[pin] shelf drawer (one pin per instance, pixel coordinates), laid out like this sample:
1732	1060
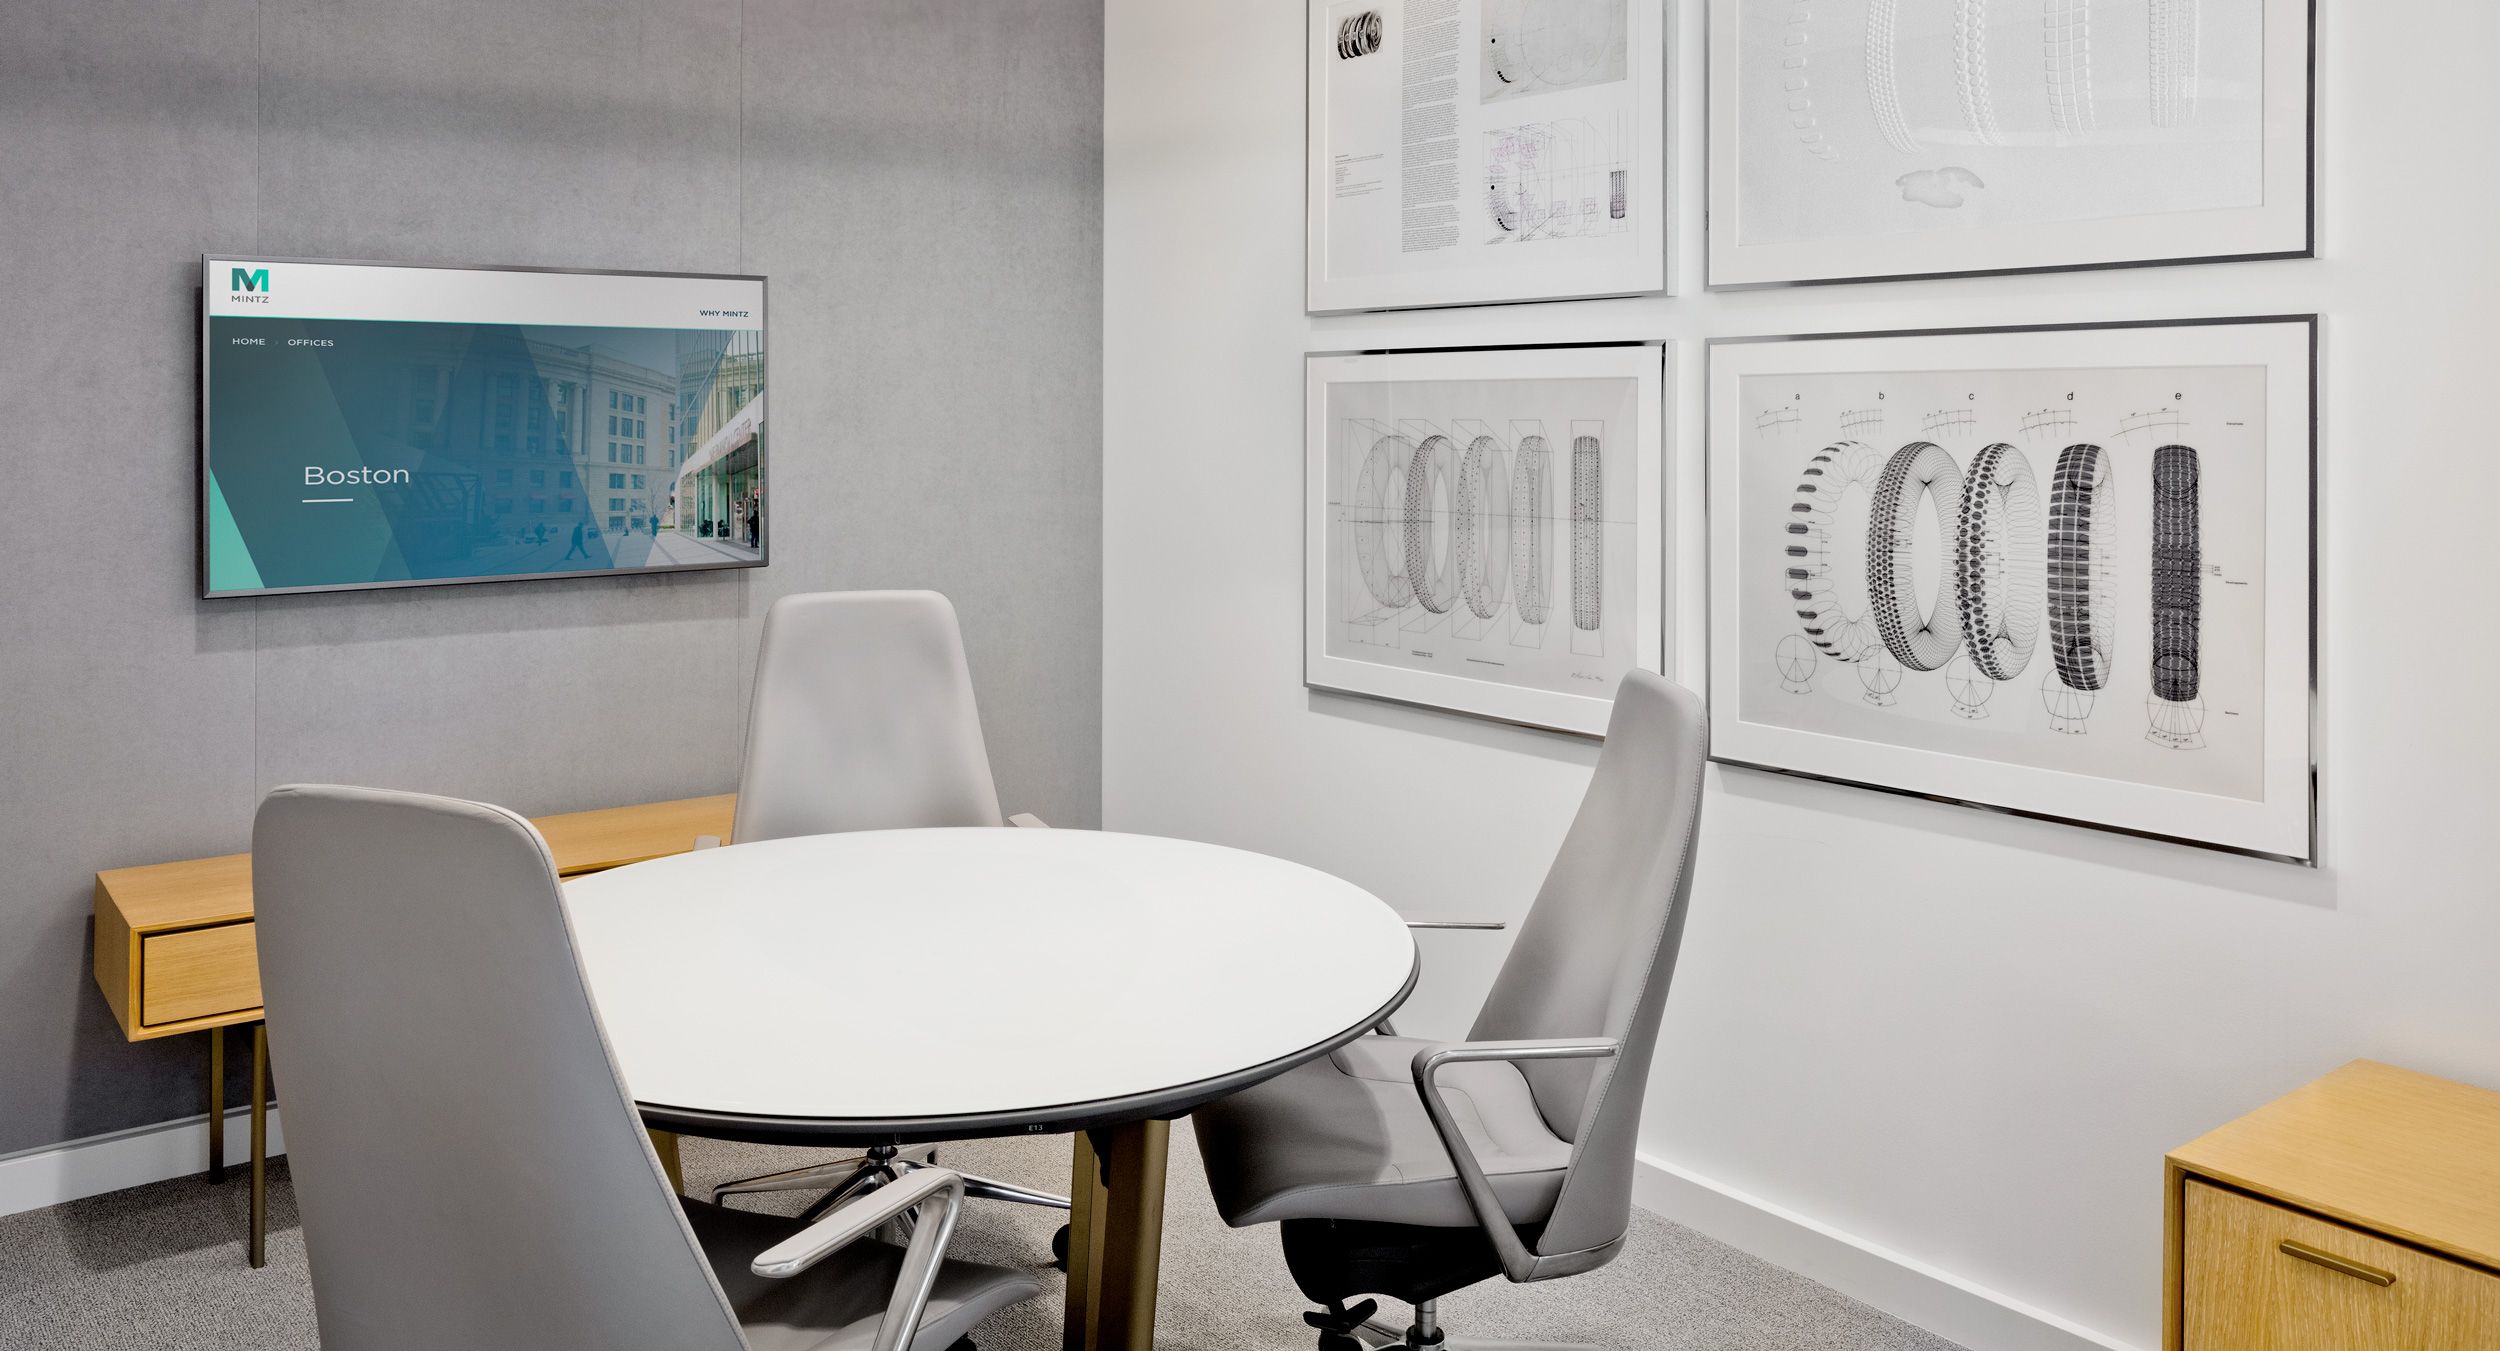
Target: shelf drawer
2259	1277
198	973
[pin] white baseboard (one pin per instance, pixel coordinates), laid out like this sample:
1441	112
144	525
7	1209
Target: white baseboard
35	1178
1953	1308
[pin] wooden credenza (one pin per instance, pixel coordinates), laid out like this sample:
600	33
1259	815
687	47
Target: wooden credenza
2360	1213
173	941
175	948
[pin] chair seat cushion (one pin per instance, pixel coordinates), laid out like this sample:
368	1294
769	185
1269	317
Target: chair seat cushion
835	1305
1346	1138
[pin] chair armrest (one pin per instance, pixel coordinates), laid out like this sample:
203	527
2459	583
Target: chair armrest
1029	821
861	1216
1518	1263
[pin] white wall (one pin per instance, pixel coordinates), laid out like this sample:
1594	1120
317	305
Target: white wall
1975	1053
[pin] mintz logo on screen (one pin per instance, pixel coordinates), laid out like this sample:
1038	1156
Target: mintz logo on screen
250	286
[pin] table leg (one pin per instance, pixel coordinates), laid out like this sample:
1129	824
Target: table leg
1115	1237
260	1144
1085	1216
216	1104
672	1161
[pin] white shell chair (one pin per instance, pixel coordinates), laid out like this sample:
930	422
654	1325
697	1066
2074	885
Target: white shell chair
1412	1168
470	1168
863	718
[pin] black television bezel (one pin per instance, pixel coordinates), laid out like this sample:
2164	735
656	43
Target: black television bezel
200	477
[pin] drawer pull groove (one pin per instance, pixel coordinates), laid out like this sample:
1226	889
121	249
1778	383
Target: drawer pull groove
2292	1247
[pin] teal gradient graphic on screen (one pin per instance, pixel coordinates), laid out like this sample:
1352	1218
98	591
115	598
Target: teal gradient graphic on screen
349	452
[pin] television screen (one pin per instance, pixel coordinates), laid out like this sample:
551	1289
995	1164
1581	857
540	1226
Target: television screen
373	425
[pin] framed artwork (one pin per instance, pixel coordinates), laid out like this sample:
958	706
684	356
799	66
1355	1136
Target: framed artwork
1485	529
1468	151
1853	140
2066	572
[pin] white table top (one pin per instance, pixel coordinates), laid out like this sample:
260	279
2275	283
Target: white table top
1014	979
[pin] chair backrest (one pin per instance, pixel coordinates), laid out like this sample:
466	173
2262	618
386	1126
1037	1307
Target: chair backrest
863	719
469	1168
1593	957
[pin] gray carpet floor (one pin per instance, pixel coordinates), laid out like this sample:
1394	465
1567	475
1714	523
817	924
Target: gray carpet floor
160	1268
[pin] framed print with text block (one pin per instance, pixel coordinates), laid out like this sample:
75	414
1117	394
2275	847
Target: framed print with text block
1471	151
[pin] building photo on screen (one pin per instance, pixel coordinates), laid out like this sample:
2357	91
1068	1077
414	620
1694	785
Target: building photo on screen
374	425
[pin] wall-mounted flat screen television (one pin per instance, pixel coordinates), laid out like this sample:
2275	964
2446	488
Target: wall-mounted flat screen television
379	425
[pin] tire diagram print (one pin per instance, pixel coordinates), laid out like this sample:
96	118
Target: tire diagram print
1970	68
1480	527
1997	556
1588	562
1359	35
1883	74
1528	479
1795	660
2172	78
1426	522
1827	587
2178	582
1919	474
1379	502
2066	53
2079	608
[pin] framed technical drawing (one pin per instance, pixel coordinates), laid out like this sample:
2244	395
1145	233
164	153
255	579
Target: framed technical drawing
1485	529
1468	151
2066	572
1859	139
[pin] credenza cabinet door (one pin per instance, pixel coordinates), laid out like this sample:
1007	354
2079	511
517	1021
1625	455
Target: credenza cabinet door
2259	1277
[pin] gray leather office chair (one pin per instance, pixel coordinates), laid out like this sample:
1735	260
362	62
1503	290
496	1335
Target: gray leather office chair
863	718
470	1168
1413	1168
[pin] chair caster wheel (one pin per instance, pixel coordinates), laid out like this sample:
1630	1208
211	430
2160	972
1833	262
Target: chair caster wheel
1059	1248
1338	1341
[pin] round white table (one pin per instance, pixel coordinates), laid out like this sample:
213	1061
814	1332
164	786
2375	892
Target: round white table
883	987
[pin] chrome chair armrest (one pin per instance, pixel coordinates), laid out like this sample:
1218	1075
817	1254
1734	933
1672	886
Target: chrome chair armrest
1029	821
1518	1262
856	1219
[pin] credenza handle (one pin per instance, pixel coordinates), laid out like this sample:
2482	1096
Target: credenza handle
2292	1247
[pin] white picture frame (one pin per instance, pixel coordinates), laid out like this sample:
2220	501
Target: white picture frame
1856	140
2126	510
1430	579
1536	170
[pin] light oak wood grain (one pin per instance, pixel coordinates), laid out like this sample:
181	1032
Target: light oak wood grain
116	960
137	907
2244	1291
2405	1154
198	973
612	837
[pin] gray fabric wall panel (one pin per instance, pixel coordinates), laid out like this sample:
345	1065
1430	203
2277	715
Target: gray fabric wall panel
125	704
579	134
932	225
556	695
922	182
